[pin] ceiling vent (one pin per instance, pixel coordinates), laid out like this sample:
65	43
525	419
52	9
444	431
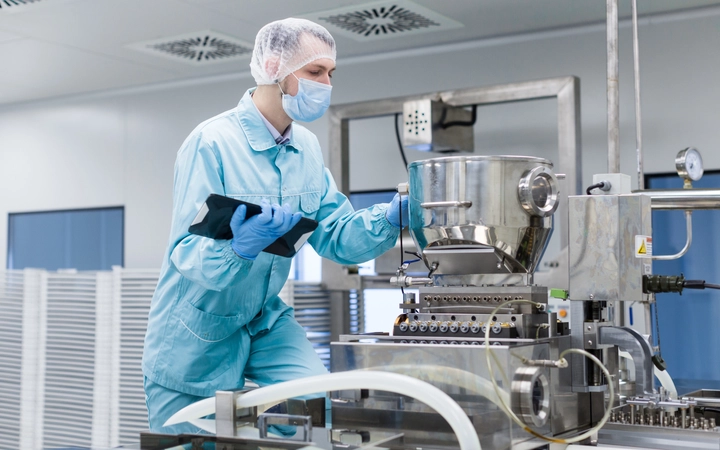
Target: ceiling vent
383	20
201	48
8	4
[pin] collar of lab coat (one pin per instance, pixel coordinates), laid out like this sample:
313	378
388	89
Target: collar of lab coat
259	137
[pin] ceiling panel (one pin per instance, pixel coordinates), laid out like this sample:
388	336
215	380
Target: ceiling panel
50	70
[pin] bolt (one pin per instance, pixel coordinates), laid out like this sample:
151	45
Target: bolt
592	296
589	327
590	343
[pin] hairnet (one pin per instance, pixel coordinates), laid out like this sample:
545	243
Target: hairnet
284	46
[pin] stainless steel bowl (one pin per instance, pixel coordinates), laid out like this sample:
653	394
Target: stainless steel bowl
482	214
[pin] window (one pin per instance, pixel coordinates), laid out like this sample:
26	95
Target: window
86	239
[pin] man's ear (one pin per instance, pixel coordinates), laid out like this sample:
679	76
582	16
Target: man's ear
272	66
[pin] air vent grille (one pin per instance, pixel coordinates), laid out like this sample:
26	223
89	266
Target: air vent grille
201	48
10	3
383	20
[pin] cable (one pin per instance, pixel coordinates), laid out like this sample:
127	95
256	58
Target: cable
594	186
657	328
399	141
402	252
460	123
699	284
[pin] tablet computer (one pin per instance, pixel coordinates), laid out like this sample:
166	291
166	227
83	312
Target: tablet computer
213	221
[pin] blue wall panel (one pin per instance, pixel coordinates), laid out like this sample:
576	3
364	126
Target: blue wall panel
689	331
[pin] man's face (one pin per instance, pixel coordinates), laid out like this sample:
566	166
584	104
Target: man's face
320	70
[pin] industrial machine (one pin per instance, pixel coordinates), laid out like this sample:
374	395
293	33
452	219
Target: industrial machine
475	359
478	330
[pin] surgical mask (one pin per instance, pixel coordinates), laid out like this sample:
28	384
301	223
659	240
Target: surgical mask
310	102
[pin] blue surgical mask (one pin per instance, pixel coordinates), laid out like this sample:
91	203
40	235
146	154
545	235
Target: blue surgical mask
310	102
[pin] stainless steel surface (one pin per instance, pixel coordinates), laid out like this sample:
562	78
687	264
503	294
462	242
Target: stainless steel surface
500	189
226	421
613	90
683	199
267	419
530	395
603	261
565	89
456	370
638	115
424	129
490	296
634	343
688	241
649	437
450	204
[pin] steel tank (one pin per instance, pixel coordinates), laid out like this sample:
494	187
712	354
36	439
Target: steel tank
482	214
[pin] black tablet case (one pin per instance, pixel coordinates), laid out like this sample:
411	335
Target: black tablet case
213	221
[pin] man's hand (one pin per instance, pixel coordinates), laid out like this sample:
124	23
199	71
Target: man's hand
393	212
251	236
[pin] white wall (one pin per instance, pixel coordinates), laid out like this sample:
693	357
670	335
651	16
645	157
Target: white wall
119	148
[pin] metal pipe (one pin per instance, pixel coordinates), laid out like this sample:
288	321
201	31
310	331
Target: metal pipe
613	93
688	242
638	116
683	199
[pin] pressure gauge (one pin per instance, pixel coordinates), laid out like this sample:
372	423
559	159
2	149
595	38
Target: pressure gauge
689	164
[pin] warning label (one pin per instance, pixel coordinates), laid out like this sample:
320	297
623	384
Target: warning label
643	246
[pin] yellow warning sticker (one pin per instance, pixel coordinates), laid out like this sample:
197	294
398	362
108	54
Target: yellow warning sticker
643	246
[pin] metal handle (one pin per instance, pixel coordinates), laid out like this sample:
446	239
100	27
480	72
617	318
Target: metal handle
449	204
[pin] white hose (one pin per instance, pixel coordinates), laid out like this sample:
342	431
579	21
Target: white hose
663	376
452	376
382	381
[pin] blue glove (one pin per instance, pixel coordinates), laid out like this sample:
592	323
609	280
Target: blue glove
251	236
393	212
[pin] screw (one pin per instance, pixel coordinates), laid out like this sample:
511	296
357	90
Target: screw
592	296
589	327
590	343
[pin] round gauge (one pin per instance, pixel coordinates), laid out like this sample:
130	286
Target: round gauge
689	164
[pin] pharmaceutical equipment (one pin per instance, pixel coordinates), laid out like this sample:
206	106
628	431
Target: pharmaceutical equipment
478	330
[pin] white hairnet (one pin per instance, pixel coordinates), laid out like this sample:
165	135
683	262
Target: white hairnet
284	46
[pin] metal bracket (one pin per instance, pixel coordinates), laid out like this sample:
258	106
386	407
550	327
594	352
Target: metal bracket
227	416
266	419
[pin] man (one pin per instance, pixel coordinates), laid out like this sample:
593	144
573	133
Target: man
216	318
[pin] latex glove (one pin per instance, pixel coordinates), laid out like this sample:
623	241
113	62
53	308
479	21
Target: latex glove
393	212
251	236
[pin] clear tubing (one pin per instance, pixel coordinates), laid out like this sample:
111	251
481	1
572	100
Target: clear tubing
357	379
511	414
688	242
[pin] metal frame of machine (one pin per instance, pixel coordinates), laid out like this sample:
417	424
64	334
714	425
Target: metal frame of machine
339	280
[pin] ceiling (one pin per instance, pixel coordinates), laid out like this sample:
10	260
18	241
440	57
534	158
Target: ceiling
56	48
